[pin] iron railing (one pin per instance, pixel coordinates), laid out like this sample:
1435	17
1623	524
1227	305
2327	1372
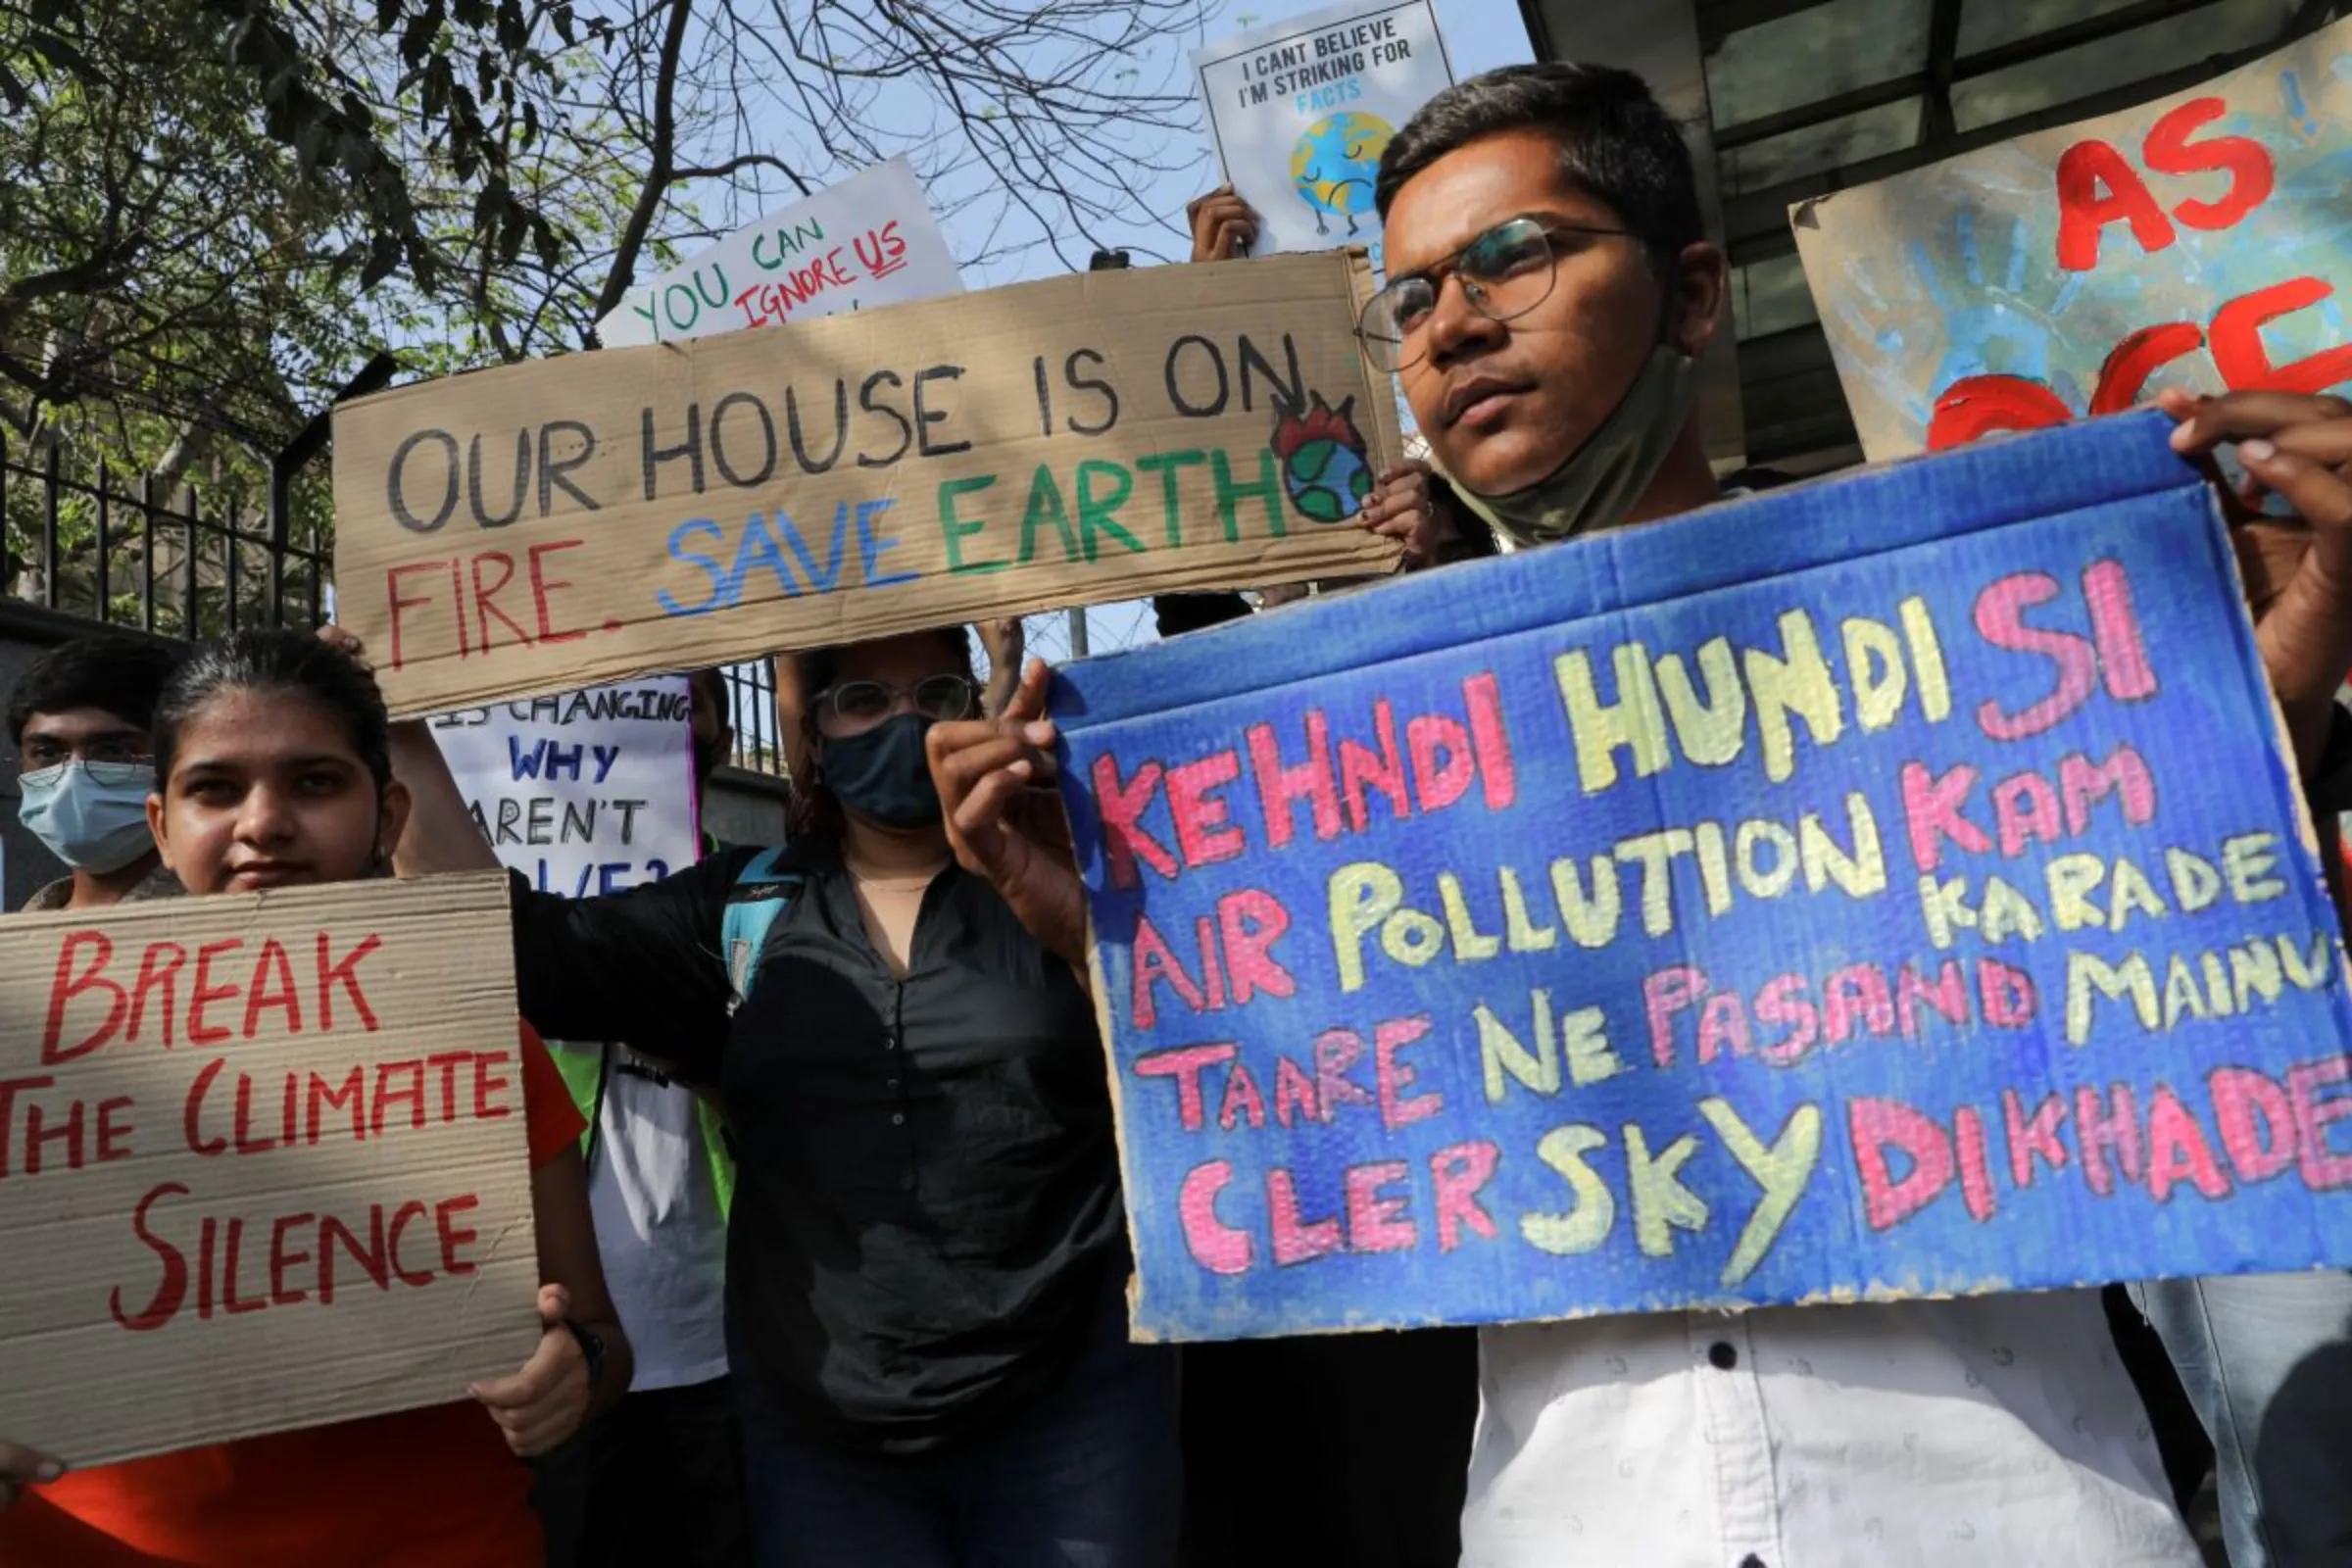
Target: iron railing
752	703
82	544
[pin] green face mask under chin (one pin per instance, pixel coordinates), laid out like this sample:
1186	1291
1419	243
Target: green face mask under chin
1603	478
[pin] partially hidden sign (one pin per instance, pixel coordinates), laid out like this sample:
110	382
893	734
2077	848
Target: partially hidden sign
867	242
1075	441
583	793
1302	110
1892	887
2197	242
263	1165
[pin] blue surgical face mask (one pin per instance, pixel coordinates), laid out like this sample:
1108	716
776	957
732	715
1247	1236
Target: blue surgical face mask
92	816
883	775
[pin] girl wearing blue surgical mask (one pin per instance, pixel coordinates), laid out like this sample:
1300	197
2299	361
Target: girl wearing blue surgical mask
926	1256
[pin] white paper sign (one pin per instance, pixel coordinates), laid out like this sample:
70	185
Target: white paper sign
868	241
1303	110
584	793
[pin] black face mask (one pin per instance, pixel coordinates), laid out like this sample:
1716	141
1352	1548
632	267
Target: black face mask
883	775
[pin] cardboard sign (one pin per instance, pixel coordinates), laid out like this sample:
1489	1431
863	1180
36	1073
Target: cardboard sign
1892	887
1301	111
1086	439
2198	241
868	241
585	793
263	1165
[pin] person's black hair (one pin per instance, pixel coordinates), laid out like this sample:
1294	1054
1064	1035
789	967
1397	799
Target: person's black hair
297	664
1617	144
118	675
816	810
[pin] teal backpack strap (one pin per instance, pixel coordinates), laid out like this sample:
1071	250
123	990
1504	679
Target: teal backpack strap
761	889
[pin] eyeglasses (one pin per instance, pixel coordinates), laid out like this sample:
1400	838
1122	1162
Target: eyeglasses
42	752
854	706
1504	273
112	773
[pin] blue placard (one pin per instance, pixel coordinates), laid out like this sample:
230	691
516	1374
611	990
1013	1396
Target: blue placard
1890	887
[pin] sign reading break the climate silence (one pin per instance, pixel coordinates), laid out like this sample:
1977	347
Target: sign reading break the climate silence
1709	916
2197	242
1074	441
263	1165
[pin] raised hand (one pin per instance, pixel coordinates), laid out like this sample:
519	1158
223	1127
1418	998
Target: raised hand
1407	506
2297	570
1004	639
1223	226
993	776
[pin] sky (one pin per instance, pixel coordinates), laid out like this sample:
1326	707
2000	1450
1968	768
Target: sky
1479	34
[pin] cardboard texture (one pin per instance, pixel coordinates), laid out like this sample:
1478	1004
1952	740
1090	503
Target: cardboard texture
1888	887
2198	241
215	1111
585	793
1301	111
867	242
1080	440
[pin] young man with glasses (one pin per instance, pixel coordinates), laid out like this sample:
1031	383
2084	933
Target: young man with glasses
78	720
1551	289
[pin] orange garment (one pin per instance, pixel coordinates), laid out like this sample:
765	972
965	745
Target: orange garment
422	1488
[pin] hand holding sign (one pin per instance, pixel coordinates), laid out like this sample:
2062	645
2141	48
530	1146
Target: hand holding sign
1224	225
544	1402
2298	579
985	771
20	1467
1403	507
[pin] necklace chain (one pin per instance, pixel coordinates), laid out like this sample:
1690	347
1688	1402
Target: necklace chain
904	884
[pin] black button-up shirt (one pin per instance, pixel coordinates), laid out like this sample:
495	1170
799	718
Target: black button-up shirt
927	1205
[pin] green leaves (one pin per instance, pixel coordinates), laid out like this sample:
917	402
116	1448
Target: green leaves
219	209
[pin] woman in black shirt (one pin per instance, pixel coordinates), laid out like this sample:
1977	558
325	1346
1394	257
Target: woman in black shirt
926	1256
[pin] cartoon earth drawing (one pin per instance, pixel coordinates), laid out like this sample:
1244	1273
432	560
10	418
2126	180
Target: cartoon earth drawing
1333	164
1324	467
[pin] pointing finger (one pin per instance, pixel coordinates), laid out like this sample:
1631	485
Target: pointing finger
1029	699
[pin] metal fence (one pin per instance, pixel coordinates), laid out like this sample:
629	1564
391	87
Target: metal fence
86	545
1108	628
752	705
